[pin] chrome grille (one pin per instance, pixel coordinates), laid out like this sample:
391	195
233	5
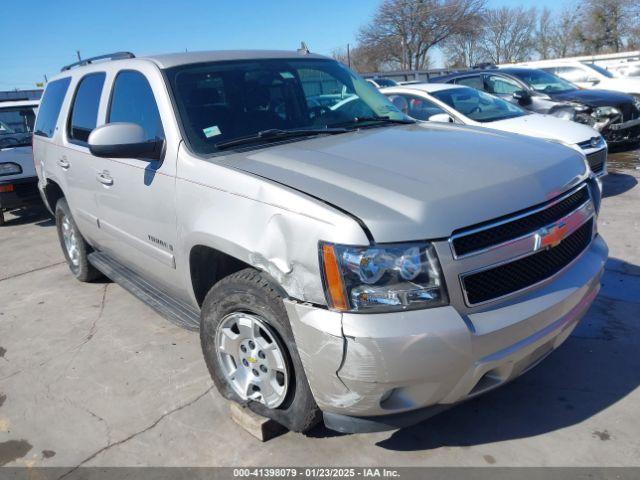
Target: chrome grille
490	234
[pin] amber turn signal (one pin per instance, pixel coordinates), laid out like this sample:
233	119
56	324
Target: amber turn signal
333	279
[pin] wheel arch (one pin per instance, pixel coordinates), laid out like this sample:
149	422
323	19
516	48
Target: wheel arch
52	192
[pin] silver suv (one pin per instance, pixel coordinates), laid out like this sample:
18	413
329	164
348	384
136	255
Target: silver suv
337	259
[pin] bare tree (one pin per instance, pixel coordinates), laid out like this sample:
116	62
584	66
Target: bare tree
508	34
544	33
607	24
403	31
463	50
566	32
362	59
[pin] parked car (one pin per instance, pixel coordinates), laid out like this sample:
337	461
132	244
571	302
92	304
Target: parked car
18	180
338	262
589	76
380	82
615	115
443	102
625	69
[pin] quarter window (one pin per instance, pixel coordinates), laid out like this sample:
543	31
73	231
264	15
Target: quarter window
132	101
50	106
84	112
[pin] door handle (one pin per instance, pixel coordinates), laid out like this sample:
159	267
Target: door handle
104	178
62	163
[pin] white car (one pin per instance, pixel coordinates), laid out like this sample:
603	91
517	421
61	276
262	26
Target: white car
443	102
18	180
589	75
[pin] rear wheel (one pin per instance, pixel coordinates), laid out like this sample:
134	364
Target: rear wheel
73	245
250	351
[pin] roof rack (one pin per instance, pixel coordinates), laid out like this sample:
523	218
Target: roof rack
108	56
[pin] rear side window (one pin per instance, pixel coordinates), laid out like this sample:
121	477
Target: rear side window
84	112
132	101
50	107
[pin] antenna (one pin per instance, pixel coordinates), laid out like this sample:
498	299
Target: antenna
303	50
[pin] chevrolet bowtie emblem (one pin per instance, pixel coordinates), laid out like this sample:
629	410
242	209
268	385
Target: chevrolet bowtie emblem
550	237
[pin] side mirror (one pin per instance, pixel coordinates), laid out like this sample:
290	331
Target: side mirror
124	140
441	117
522	96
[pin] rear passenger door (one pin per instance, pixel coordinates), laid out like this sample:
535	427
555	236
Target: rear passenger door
137	197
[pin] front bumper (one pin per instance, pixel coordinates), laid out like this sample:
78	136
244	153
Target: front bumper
383	371
623	132
21	192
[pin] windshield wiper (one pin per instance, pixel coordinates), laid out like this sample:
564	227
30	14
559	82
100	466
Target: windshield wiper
277	134
377	118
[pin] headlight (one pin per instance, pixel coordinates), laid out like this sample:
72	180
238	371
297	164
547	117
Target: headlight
9	168
382	278
564	113
636	102
602	112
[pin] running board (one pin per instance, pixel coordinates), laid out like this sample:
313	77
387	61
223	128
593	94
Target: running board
173	310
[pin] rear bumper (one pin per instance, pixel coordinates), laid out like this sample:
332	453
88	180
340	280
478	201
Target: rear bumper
23	192
386	371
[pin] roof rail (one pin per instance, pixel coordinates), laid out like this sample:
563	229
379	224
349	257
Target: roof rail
108	56
20	99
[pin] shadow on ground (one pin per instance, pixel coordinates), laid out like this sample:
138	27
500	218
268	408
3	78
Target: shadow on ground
617	183
38	215
596	367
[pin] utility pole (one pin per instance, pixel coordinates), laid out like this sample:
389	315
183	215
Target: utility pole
349	55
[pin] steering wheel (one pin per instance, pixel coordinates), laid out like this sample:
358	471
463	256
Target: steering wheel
319	111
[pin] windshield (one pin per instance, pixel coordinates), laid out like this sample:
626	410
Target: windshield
222	101
600	70
16	126
385	82
477	105
544	82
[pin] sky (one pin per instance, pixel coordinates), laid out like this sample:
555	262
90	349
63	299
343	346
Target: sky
40	36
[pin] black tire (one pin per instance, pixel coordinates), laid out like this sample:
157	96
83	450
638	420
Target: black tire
251	291
83	271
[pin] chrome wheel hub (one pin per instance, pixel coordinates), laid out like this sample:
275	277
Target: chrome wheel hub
70	241
252	359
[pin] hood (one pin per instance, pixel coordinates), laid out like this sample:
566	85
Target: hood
546	126
23	156
415	182
624	84
594	98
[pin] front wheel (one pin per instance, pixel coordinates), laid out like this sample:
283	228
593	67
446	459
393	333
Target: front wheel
250	351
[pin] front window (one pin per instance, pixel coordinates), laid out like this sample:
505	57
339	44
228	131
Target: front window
221	102
16	126
544	82
600	70
477	105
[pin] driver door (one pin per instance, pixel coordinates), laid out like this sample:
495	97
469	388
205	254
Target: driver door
136	198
